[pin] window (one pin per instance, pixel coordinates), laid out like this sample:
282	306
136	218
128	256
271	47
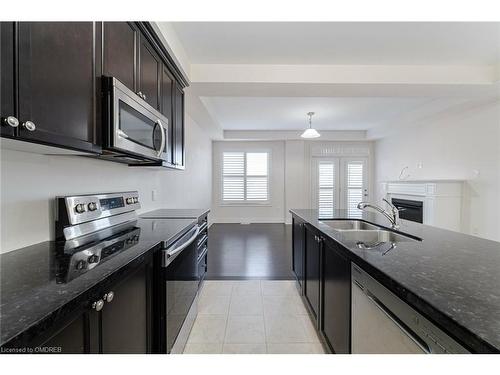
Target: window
245	177
326	191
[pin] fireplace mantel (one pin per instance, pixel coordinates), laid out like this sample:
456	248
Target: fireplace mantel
442	199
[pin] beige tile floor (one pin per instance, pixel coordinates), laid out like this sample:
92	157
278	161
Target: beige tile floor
252	317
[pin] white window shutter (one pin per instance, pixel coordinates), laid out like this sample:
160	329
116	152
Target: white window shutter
257	176
355	178
326	185
233	183
245	177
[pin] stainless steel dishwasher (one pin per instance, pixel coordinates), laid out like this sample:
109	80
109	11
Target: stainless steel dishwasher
384	324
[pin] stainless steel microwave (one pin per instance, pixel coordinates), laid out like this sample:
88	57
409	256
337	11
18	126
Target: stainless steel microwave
134	132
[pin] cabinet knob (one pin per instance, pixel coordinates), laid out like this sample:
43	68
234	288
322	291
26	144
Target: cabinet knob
108	297
144	96
98	305
29	125
11	121
140	94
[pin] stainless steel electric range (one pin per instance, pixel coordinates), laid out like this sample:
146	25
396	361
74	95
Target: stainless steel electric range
93	228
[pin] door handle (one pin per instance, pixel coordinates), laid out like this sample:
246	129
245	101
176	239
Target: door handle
11	121
29	125
162	146
98	305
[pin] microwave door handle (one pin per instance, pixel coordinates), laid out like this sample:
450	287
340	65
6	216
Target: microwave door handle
162	147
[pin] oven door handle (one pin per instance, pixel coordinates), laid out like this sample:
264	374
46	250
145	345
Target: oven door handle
162	146
177	250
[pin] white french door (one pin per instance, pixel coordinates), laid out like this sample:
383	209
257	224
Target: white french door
339	183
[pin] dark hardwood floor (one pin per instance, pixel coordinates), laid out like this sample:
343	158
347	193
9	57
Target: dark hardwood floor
253	251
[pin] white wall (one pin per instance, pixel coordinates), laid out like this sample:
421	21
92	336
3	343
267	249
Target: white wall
290	176
452	147
271	213
29	183
296	177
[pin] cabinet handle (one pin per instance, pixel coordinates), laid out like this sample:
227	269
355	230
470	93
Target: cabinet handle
108	297
29	125
11	121
98	305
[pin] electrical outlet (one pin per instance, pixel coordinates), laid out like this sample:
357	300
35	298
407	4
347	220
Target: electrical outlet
154	195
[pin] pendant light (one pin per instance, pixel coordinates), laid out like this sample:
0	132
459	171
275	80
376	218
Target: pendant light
310	132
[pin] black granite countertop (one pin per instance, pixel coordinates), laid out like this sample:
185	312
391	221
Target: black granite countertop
450	277
194	213
31	293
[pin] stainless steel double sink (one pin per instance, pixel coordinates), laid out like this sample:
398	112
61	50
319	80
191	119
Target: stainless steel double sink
366	235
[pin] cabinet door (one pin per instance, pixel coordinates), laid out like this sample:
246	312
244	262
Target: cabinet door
298	250
179	127
312	272
71	339
7	77
56	83
149	73
336	322
119	52
167	97
126	320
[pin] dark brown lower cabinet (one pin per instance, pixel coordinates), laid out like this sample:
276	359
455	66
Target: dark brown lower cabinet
122	326
312	271
298	250
336	316
126	320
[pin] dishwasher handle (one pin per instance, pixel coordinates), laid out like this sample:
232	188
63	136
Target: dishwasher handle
418	341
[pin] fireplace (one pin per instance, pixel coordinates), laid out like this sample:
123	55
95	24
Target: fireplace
410	209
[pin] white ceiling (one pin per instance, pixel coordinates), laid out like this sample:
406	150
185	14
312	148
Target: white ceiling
367	43
280	113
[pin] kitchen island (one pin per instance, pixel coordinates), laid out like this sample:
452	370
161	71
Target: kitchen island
450	278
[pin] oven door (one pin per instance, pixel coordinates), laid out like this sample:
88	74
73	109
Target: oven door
181	278
135	127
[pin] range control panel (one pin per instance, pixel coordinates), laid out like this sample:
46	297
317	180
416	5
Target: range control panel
83	208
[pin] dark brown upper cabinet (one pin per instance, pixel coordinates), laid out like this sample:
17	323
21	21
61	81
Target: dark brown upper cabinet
129	57
167	97
8	115
119	52
178	127
56	86
149	73
51	81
